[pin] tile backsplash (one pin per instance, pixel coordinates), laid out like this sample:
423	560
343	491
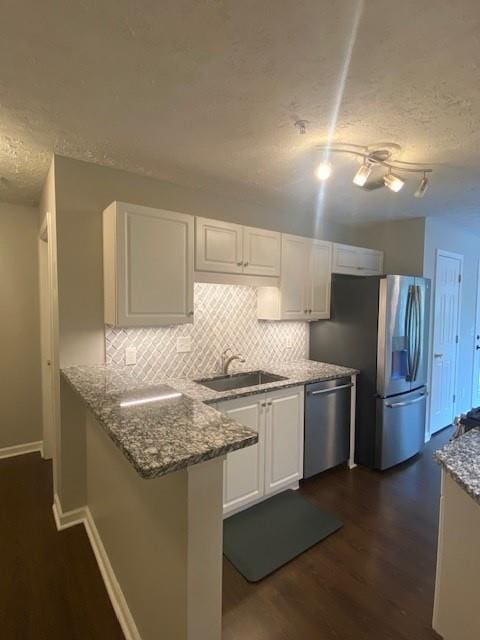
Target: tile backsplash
225	316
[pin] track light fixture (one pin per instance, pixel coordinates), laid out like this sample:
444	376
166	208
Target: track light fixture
362	175
324	171
393	182
422	187
373	157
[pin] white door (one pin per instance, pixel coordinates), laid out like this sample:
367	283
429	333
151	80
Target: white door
243	470
445	339
295	256
476	351
284	439
219	246
46	343
319	281
155	266
261	252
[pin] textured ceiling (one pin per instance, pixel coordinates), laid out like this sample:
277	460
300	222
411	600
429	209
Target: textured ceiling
205	93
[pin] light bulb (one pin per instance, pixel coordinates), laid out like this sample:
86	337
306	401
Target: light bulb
324	171
361	177
394	183
422	188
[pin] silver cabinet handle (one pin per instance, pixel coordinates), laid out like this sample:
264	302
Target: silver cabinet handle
394	405
341	386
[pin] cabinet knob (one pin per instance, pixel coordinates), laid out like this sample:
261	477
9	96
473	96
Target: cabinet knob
305	311
309	311
239	264
245	264
190	313
264	404
269	403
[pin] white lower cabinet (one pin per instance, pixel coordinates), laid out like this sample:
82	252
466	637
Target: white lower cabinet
276	462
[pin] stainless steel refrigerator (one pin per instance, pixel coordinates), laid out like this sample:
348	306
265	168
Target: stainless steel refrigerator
379	325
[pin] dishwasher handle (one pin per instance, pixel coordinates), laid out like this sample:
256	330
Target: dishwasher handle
330	389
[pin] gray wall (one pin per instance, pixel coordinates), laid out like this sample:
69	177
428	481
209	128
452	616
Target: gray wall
450	237
402	241
20	388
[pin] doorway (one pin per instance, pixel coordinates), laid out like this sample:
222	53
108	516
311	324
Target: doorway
476	350
446	322
46	340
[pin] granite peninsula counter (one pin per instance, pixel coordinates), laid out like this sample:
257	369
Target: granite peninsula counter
162	425
141	465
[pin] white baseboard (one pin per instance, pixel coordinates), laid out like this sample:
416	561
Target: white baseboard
63	520
21	449
114	590
66	519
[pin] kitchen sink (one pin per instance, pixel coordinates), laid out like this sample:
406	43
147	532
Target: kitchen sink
239	380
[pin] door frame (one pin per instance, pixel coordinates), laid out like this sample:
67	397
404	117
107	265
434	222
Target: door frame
456	256
476	332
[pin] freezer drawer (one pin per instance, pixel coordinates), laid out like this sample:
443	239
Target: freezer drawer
400	427
327	425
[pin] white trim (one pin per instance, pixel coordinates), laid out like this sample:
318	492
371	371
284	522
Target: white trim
477	315
114	590
64	520
21	449
353	413
460	258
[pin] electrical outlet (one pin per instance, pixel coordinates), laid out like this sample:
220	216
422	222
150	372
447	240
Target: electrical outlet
131	355
184	344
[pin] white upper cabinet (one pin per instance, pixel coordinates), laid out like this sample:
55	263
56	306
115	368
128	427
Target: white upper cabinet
219	246
356	260
224	247
319	281
304	291
261	252
148	266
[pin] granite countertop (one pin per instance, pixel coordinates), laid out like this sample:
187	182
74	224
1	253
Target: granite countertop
295	373
461	459
164	425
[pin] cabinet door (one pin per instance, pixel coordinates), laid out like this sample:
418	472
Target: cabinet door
295	256
261	252
356	260
243	470
371	261
154	266
219	246
283	439
319	282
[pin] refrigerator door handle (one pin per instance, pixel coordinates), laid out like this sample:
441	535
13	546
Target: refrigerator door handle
394	405
418	318
408	332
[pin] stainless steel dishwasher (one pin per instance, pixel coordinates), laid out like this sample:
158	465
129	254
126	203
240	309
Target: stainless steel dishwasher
327	425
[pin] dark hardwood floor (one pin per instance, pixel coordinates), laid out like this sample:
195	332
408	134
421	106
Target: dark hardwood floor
50	585
371	580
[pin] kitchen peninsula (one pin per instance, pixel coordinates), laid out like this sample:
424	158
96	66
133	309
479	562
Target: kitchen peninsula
152	502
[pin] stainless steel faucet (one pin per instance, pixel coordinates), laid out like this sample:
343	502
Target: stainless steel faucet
227	358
